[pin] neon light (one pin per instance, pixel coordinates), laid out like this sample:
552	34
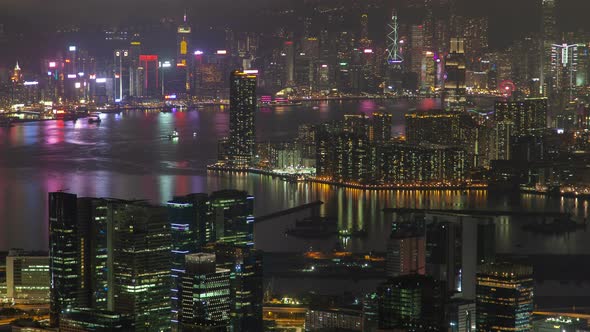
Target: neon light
101	80
368	50
81	74
72	76
221	52
251	71
52	64
198	52
72	48
30	83
77	85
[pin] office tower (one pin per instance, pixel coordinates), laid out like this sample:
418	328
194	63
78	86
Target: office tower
455	93
27	276
191	229
289	57
529	116
67	251
394	55
242	133
443	253
411	301
564	67
85	319
416	51
504	297
148	75
183	34
246	284
205	294
141	264
233	216
135	79
406	248
122	65
549	37
381	127
461	315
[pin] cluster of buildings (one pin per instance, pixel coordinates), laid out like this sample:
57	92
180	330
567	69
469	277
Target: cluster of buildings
186	266
331	51
443	274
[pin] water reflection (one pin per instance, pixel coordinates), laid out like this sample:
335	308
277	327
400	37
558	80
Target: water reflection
129	156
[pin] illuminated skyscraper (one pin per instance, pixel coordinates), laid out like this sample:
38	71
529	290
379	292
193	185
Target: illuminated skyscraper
381	127
148	75
549	37
242	104
455	93
246	284
27	276
182	52
205	294
191	229
394	54
528	116
67	250
504	297
122	71
232	214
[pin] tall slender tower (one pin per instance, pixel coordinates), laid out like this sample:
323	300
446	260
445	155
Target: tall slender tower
394	54
182	54
548	38
242	111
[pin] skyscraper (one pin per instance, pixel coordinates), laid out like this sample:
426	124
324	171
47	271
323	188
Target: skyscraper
242	133
406	249
246	284
205	294
189	218
233	216
183	34
67	250
411	301
455	67
141	264
528	116
504	297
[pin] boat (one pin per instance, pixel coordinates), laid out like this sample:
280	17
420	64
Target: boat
352	232
315	108
94	120
173	135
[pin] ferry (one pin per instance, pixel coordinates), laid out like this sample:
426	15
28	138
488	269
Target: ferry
94	119
173	135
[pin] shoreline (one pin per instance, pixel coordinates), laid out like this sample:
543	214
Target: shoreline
297	179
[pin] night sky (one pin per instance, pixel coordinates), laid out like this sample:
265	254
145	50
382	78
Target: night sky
508	18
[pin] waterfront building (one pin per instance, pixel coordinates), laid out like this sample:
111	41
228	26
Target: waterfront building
529	116
504	297
242	133
205	294
27	276
122	73
183	34
381	127
149	75
559	323
232	213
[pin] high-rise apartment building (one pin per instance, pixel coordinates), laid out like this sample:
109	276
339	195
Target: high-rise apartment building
242	133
